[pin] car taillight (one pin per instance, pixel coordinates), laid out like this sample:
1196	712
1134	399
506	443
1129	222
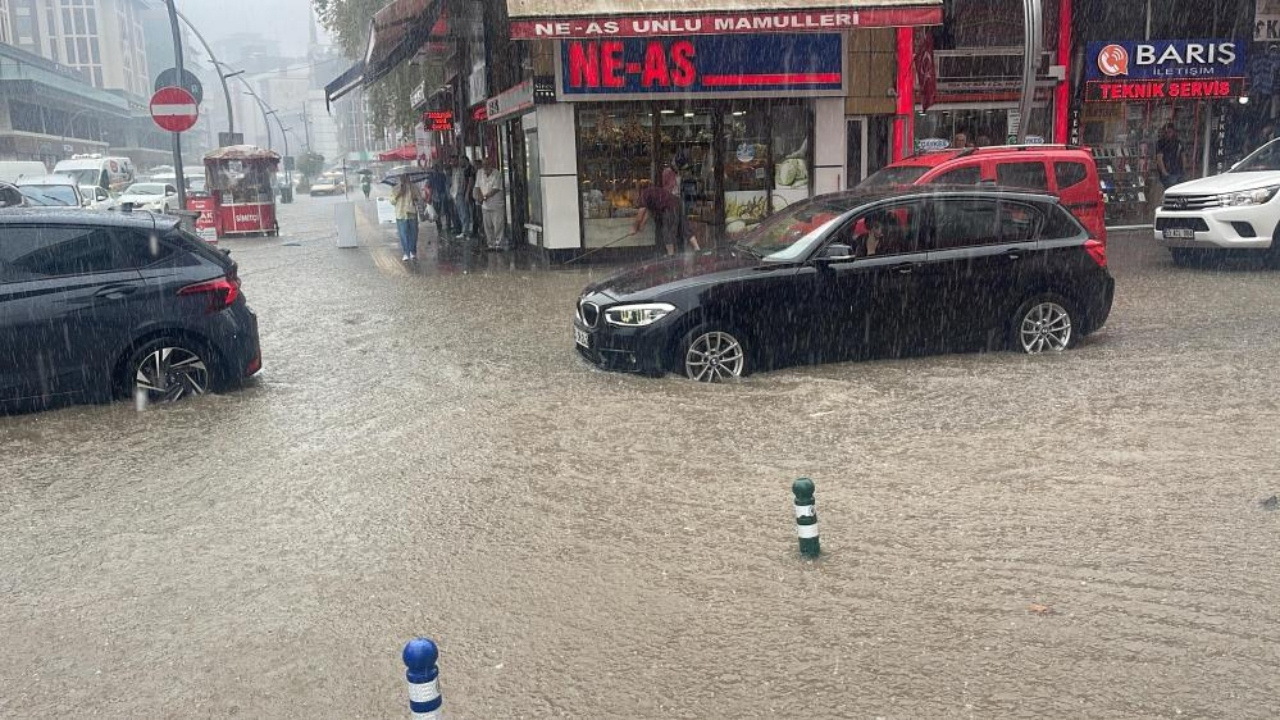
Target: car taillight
220	294
1097	251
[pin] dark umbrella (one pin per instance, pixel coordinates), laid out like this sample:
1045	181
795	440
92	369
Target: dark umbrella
364	171
414	173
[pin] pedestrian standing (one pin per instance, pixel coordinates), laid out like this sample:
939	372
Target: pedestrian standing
1169	157
664	208
684	234
405	198
438	184
464	180
366	184
493	204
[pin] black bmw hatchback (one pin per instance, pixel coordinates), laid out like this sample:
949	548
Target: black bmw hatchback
97	304
853	275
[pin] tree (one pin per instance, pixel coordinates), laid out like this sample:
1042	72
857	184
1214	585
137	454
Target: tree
309	165
388	98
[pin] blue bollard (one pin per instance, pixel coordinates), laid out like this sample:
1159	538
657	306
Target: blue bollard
420	656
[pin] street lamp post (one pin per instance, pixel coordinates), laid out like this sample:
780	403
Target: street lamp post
231	120
262	107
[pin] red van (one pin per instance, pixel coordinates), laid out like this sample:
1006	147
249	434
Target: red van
1068	172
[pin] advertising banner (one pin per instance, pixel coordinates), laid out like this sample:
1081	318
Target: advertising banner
1164	59
1211	69
657	23
702	66
1266	21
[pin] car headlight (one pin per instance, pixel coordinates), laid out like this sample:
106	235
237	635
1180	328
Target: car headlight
1249	197
637	315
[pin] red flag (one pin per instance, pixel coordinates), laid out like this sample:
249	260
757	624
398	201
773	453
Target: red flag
926	72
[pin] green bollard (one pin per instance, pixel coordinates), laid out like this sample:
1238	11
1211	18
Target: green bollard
806	517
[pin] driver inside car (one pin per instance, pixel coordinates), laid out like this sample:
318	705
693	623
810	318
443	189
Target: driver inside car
871	241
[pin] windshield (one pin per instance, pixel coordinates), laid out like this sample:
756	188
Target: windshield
50	194
890	177
1264	159
145	189
790	234
89	176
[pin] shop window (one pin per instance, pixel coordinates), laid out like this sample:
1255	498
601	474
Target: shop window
746	167
1069	173
1022	175
615	147
687	137
791	156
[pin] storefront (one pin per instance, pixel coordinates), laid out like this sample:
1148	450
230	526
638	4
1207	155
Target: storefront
967	78
747	107
1133	90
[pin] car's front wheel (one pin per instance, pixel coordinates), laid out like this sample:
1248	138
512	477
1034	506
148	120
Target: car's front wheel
1044	323
169	369
712	354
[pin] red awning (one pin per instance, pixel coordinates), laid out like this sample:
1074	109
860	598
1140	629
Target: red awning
404	152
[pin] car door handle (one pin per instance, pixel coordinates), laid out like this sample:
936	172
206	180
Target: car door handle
1013	255
115	292
905	268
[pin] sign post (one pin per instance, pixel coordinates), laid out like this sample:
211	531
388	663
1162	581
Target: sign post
179	177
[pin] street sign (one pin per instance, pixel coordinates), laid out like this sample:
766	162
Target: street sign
190	83
174	109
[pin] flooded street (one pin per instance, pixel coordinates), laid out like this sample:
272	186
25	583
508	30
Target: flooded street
425	453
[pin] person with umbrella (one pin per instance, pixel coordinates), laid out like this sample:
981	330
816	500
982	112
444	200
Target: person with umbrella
366	182
405	199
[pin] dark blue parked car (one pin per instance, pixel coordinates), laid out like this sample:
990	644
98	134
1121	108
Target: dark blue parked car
97	305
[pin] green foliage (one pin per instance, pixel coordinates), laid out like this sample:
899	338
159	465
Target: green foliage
310	164
388	98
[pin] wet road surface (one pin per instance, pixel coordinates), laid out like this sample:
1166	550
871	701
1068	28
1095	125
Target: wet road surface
1071	536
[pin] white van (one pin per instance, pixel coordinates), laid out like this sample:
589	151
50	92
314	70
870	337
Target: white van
109	173
11	171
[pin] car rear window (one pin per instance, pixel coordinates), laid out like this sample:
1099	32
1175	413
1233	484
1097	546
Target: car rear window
193	244
1069	173
1022	175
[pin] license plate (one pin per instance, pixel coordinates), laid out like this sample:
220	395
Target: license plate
1179	234
582	338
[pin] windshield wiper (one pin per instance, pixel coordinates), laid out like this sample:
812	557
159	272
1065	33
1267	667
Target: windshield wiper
737	245
55	200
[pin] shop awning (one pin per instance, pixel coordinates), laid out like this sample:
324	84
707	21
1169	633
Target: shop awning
396	33
404	152
619	18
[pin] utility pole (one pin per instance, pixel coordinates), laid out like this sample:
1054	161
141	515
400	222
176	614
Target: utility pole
177	137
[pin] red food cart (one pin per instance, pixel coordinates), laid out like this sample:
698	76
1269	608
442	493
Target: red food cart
241	182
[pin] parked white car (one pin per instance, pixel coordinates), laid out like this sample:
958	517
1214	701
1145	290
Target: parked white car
1237	210
156	197
52	190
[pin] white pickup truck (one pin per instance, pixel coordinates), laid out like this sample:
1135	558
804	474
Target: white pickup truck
1237	210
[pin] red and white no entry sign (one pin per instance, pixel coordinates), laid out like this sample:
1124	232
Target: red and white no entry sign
174	109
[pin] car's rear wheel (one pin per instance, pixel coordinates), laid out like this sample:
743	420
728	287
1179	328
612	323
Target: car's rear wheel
1044	323
170	369
712	354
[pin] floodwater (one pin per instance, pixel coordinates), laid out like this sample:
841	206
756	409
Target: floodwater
1011	537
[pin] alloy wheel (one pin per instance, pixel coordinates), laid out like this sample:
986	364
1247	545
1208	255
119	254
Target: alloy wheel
714	357
1046	326
167	374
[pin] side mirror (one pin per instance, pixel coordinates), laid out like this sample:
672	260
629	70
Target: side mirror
837	251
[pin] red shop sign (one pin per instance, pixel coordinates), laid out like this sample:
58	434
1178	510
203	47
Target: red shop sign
438	120
480	113
1121	91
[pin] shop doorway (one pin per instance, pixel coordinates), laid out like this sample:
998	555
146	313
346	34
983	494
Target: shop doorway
855	167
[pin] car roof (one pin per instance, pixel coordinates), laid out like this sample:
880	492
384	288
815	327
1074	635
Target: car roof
850	199
938	157
80	216
54	179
